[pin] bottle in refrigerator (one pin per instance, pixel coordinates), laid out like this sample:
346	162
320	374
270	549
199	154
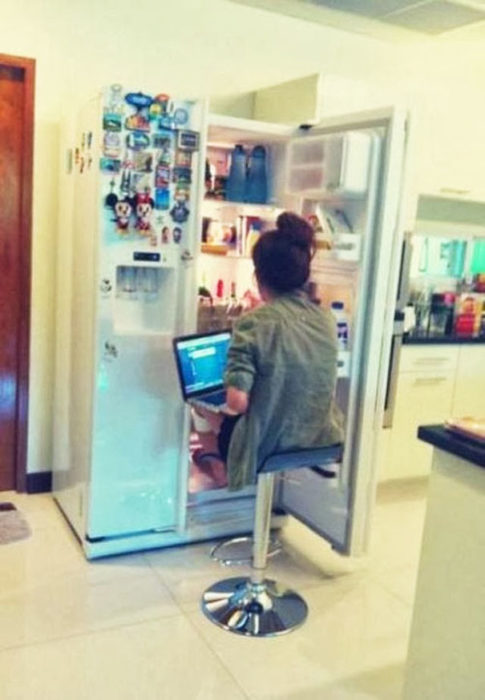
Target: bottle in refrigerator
236	182
256	182
338	310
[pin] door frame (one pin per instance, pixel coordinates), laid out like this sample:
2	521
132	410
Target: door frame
27	65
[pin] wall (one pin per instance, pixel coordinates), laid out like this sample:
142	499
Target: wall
193	47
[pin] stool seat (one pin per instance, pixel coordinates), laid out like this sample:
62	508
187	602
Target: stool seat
299	459
255	606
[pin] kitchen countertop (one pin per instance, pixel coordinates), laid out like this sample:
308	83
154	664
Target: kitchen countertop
457	445
443	340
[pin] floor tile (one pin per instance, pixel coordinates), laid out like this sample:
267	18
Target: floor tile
157	660
352	645
72	604
188	571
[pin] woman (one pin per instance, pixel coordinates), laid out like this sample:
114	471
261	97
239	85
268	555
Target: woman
282	362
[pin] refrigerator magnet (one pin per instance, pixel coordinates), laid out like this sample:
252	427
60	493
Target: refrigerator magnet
180	117
137	141
180	211
188	140
143	161
177	234
183	159
182	176
139	121
162	198
112	122
109	165
162	176
165	235
111	144
114	99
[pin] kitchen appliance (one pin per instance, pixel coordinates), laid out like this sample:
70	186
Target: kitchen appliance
398	328
122	471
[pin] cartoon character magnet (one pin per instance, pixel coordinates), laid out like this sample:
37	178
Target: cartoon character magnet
144	207
123	209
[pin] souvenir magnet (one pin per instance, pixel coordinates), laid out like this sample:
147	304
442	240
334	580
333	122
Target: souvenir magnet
143	161
111	122
182	175
158	106
180	117
111	144
188	140
183	159
177	234
137	141
180	212
162	176
90	139
138	121
109	165
162	198
115	99
165	236
125	185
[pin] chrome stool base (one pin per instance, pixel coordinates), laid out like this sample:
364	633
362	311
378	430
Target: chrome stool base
241	549
253	609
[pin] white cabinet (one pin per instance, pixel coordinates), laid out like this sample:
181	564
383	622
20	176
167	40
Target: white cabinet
424	396
435	382
469	394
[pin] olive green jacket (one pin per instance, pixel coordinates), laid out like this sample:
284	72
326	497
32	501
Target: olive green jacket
284	355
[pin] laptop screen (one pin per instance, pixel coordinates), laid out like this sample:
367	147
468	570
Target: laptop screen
201	361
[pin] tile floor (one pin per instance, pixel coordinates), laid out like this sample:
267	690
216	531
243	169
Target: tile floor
130	626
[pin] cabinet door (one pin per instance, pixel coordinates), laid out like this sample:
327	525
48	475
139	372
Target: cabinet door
423	398
469	396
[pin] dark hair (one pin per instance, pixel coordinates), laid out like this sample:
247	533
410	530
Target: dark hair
282	256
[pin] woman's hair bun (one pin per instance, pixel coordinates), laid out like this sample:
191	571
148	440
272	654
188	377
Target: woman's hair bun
297	231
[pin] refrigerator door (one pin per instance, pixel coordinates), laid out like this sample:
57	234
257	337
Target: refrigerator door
363	275
140	298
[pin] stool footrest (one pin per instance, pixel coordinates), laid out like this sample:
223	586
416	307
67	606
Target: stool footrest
222	551
254	610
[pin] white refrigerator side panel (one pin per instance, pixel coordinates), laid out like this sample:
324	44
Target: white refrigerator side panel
70	483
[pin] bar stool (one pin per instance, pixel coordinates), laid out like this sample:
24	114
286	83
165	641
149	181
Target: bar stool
253	605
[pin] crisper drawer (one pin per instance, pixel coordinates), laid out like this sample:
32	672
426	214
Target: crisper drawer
429	358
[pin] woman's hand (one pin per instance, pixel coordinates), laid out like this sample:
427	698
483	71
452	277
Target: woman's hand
237	401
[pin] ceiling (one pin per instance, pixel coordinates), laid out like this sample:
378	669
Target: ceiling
432	18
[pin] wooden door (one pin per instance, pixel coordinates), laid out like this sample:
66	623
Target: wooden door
16	122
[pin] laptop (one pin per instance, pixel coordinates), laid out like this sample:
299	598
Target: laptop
201	360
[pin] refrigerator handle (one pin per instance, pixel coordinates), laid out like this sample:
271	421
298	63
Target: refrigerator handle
404	270
392	376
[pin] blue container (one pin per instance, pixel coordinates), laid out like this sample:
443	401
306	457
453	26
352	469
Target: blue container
236	182
256	180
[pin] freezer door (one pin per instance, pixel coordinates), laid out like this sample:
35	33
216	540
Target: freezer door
364	276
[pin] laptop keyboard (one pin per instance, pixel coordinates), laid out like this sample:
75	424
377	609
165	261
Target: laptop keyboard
215	399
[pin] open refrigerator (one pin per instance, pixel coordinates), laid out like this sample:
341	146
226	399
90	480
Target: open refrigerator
124	476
